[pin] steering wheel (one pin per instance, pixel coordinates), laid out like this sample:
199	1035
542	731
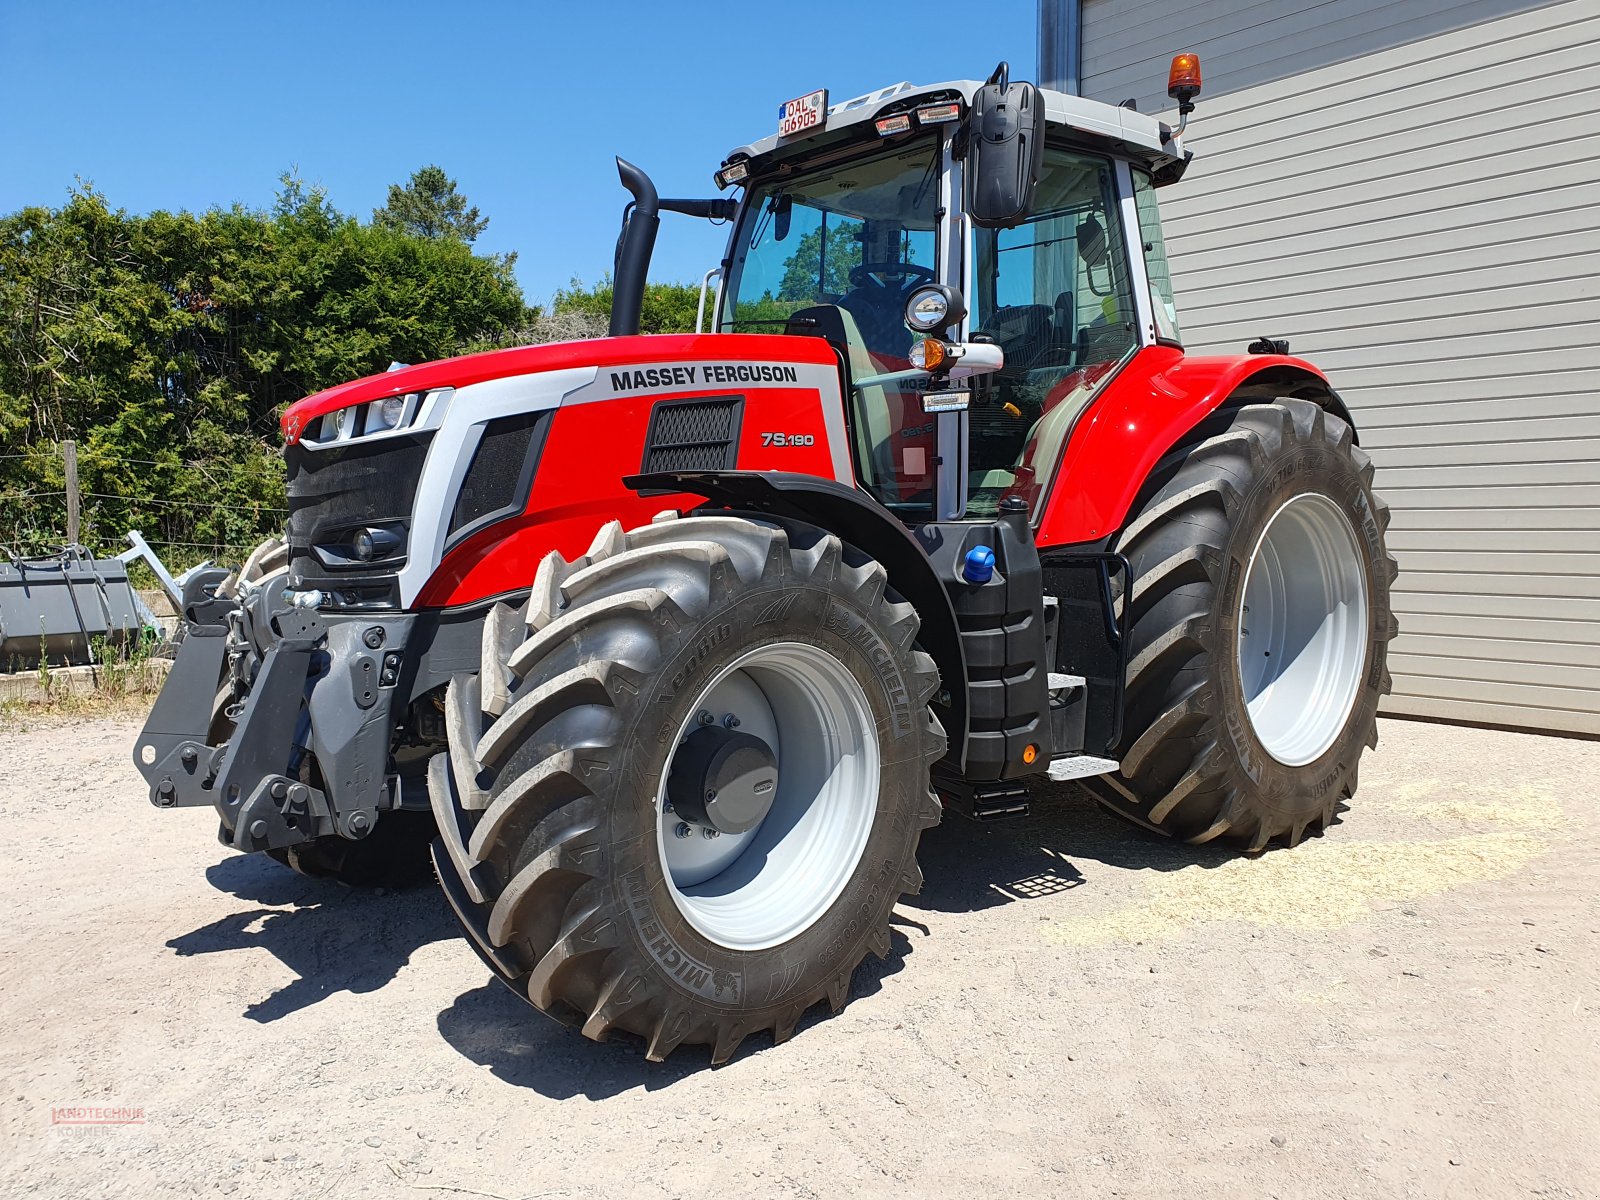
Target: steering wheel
865	273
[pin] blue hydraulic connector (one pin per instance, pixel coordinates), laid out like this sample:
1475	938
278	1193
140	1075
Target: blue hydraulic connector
979	566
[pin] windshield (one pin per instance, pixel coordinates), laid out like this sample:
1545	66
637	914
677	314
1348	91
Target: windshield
833	253
1054	293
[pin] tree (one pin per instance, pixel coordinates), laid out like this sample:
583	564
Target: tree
167	345
429	206
667	308
808	275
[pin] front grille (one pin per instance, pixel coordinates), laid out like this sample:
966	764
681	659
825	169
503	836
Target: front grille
337	489
497	482
694	435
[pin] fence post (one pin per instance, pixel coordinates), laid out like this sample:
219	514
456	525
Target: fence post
69	450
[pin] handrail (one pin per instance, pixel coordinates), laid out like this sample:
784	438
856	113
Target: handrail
705	283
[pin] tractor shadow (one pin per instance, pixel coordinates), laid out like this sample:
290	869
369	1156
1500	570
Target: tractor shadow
969	867
495	1028
335	939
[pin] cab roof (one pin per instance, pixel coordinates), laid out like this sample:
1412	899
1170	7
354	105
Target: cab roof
1136	134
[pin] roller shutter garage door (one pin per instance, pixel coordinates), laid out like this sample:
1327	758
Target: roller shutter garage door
1408	190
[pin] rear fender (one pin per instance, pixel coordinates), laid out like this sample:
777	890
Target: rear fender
860	520
1149	407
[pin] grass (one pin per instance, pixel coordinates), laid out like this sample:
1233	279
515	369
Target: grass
18	716
124	684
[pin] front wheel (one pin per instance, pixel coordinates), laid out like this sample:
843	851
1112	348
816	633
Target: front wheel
1259	624
686	786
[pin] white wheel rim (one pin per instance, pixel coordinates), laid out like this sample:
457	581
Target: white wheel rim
761	888
1303	629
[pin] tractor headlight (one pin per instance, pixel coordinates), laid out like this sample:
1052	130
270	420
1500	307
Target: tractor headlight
933	307
927	310
412	413
384	414
366	545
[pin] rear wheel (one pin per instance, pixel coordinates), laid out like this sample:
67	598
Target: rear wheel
687	784
1259	624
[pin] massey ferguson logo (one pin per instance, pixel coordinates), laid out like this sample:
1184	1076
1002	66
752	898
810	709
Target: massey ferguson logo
712	373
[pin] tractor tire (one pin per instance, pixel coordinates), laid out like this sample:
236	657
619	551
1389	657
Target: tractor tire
268	559
1275	512
582	840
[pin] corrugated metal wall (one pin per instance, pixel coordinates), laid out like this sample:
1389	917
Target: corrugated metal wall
1408	190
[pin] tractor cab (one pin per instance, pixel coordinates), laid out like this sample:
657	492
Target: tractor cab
1024	221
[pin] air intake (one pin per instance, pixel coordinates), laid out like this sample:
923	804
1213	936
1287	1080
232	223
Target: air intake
497	483
694	435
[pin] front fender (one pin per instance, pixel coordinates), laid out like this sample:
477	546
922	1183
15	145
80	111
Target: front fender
1146	409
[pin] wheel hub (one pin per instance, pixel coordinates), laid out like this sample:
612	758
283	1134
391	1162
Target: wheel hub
785	738
723	779
1303	629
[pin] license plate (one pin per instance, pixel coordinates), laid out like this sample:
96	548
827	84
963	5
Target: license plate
943	402
808	112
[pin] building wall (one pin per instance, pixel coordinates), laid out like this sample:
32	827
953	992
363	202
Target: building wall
1407	190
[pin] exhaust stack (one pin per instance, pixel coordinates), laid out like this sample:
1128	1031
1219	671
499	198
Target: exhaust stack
640	220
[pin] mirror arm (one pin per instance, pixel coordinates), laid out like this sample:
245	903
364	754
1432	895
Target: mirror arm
720	209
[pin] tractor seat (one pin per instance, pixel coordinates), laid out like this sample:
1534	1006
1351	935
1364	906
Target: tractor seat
879	315
1022	331
873	427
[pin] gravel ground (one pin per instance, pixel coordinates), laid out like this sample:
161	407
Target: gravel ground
1407	1006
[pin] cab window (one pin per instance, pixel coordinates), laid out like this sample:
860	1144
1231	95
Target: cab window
1054	293
835	253
1162	301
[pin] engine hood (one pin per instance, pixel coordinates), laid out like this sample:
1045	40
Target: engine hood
523	360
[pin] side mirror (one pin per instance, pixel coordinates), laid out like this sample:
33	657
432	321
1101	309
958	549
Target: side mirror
1091	239
1005	151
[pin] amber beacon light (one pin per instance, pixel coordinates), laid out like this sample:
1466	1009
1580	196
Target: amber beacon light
1183	81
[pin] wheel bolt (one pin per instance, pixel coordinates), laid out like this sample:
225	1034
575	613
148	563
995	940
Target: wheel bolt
706	718
682	830
711	833
730	722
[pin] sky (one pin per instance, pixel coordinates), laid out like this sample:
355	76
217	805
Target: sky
189	106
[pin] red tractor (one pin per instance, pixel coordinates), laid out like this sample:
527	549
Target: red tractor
677	643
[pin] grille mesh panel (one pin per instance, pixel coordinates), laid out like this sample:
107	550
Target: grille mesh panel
694	435
500	473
